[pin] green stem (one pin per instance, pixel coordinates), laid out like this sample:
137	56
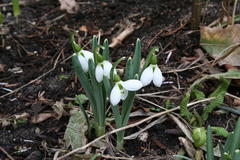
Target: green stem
196	14
120	140
100	130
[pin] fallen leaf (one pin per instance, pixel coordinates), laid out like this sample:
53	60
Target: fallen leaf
77	127
58	108
223	44
70	6
188	146
42	117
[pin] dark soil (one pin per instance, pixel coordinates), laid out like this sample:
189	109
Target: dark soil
35	51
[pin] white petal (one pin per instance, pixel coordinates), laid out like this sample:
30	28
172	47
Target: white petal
88	55
124	94
147	76
83	63
99	73
107	66
157	77
115	95
132	85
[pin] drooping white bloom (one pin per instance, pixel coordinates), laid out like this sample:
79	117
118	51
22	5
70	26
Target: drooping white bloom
103	69
121	88
83	58
152	73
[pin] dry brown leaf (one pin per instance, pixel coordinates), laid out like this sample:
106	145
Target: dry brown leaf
222	43
70	6
58	108
188	147
42	117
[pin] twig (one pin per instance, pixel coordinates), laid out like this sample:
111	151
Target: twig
5	152
234	11
131	126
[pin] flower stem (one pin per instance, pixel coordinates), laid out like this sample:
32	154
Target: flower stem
120	140
99	130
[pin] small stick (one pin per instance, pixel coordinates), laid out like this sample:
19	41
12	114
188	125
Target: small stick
5	152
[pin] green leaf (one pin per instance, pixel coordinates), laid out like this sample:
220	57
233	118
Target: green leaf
219	43
236	155
183	107
199	136
129	69
74	135
137	58
75	46
81	99
16	8
198	94
94	47
210	154
1	18
220	131
235	144
106	50
219	94
232	74
114	67
84	82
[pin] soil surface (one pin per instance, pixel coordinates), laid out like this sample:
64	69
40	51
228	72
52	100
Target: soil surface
36	70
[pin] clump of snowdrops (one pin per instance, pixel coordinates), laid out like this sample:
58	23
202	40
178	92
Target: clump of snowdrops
104	86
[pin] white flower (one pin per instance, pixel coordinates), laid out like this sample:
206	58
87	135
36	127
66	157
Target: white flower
103	69
83	58
152	73
121	88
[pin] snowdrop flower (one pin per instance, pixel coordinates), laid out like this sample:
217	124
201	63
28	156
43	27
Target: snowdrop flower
121	88
83	58
152	73
103	69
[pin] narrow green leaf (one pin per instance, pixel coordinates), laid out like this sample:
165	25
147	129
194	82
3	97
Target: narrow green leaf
98	94
129	69
76	47
117	116
235	144
210	154
16	8
236	155
94	47
84	82
106	50
114	67
1	18
107	86
137	58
